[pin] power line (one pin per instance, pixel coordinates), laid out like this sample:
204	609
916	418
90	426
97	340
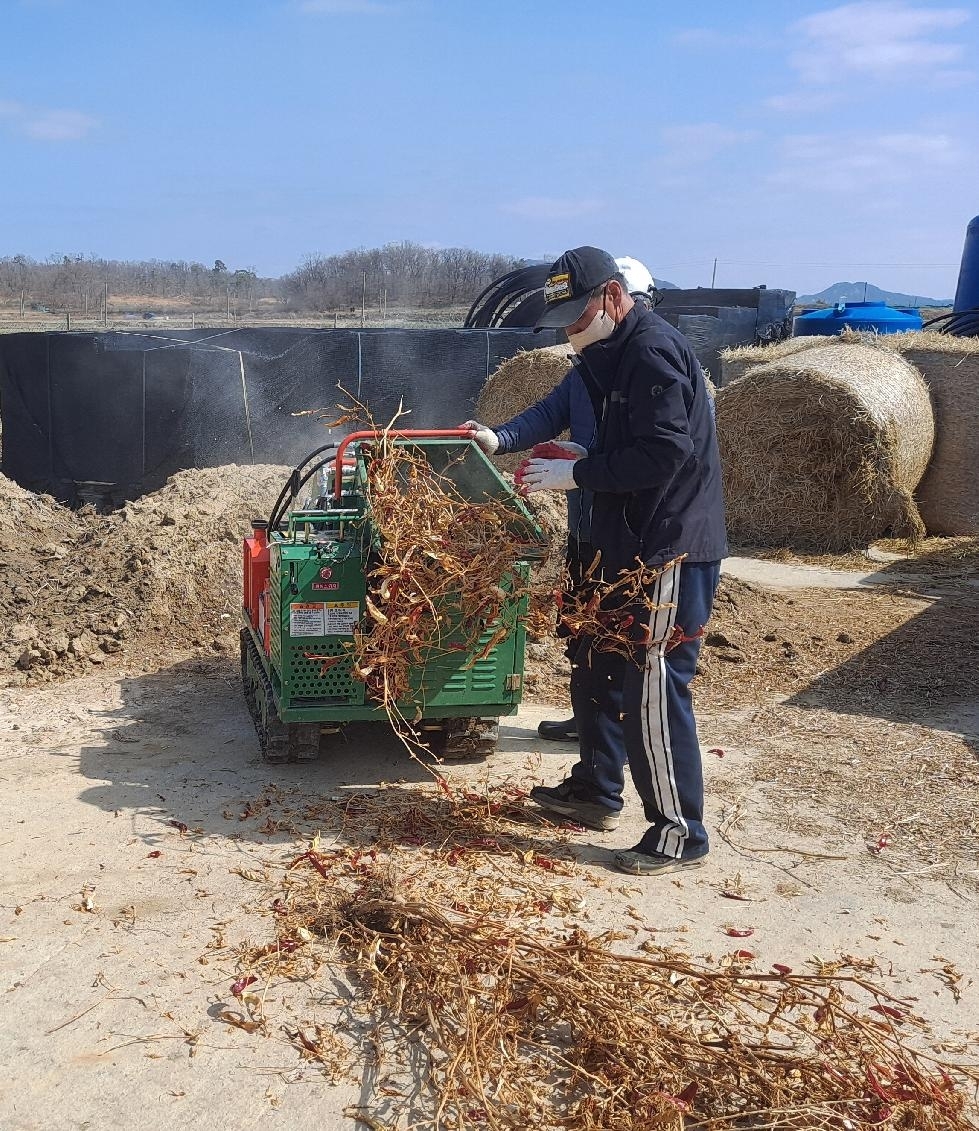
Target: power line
827	266
759	263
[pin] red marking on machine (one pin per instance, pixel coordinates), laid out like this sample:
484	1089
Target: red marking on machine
326	573
320	585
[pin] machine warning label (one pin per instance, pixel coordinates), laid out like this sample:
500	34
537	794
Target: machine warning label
307	620
341	617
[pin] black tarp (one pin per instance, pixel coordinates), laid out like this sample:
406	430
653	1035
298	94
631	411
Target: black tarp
128	409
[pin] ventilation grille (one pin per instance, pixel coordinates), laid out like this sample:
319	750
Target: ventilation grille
309	678
482	676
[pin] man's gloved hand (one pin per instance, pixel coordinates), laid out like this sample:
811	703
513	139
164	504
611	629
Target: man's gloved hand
549	475
484	436
558	449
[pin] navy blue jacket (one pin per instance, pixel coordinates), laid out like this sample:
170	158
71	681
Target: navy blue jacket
654	468
567	406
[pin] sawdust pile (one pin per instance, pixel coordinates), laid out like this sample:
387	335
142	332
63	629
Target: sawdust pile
823	448
189	533
66	603
522	380
162	575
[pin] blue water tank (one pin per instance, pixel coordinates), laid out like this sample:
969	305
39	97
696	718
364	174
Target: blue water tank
876	316
967	291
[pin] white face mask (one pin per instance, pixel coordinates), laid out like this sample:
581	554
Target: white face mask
602	326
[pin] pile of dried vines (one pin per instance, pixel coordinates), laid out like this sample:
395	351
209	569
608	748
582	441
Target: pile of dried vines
538	1024
613	616
444	580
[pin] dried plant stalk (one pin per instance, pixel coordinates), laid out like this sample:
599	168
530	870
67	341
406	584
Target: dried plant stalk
613	616
528	1021
445	575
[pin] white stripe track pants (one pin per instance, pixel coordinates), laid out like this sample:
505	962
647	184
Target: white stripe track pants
642	713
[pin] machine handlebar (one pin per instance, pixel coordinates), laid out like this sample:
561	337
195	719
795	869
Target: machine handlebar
399	434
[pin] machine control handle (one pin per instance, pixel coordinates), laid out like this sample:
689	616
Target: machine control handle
399	434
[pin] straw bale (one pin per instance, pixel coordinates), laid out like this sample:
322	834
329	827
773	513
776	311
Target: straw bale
930	340
518	383
823	449
948	496
737	360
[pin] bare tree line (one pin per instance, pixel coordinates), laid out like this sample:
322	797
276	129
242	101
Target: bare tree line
81	284
401	274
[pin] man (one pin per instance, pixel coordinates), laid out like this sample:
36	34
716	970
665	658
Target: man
568	406
654	474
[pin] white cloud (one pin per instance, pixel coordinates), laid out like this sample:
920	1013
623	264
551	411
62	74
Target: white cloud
879	40
47	125
860	164
551	208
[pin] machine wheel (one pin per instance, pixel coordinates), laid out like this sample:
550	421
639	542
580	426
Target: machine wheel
453	739
279	741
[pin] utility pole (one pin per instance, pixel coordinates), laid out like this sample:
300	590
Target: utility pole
713	277
105	303
363	303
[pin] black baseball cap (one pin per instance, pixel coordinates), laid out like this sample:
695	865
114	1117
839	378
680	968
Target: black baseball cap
569	285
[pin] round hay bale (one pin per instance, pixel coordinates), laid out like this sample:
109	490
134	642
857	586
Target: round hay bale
519	382
737	360
822	449
948	495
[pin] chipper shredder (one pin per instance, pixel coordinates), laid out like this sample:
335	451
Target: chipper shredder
306	591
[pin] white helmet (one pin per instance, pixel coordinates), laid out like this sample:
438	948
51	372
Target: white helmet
637	278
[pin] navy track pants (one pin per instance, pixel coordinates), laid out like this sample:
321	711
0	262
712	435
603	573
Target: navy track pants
641	712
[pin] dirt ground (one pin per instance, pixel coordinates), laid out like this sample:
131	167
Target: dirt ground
143	838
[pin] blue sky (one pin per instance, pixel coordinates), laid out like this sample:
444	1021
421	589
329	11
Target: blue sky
798	144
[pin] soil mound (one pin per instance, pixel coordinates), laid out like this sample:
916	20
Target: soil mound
187	539
160	575
63	606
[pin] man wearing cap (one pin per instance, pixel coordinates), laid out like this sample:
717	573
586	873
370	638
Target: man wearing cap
567	407
654	474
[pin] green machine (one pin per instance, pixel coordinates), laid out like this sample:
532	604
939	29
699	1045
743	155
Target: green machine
305	586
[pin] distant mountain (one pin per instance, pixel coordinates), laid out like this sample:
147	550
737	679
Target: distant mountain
663	285
867	292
